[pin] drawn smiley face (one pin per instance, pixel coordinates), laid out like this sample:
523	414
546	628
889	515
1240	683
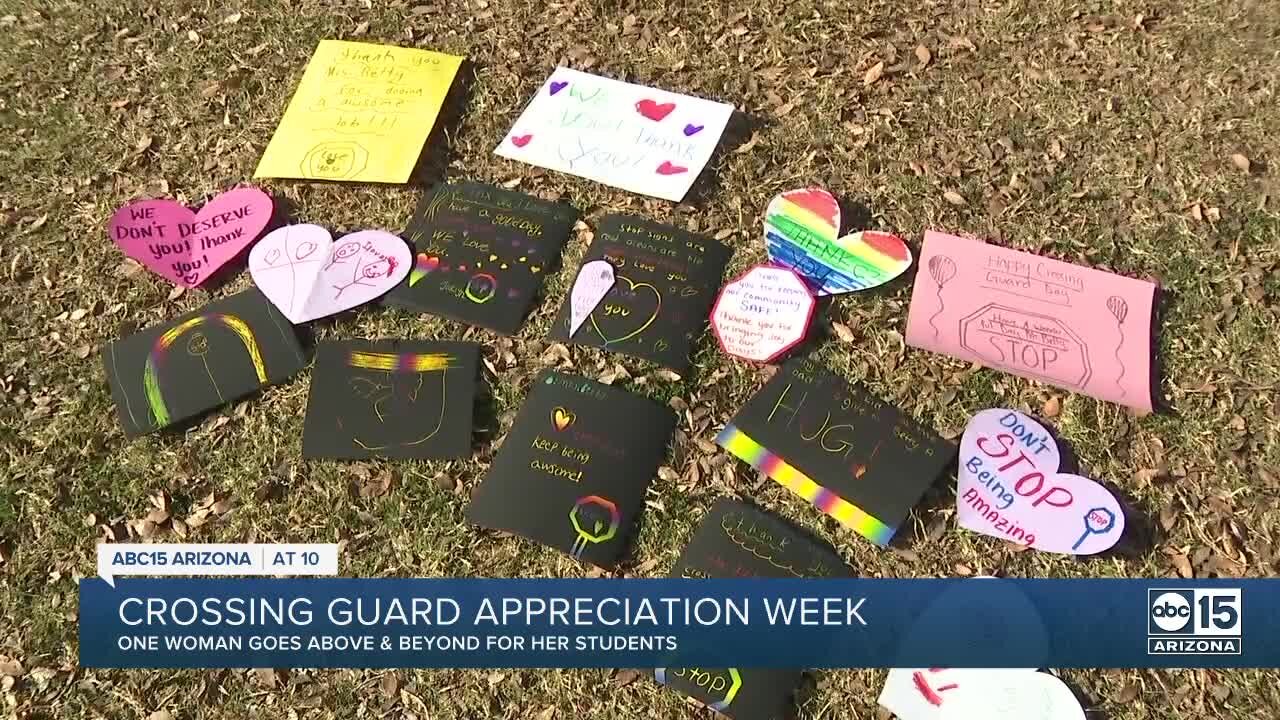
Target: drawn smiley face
335	160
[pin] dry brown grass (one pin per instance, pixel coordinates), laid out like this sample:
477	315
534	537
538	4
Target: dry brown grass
1099	131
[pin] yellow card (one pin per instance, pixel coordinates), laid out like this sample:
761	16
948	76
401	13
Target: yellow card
361	113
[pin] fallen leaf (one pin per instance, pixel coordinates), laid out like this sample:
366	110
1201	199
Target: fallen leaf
923	55
390	684
193	36
954	198
843	332
1052	407
376	486
547	713
1127	694
232	19
1183	565
160	715
873	74
1242	163
10	667
626	677
266	677
176	293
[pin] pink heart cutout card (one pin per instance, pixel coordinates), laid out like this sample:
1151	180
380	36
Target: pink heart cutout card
186	247
1082	329
1009	487
307	275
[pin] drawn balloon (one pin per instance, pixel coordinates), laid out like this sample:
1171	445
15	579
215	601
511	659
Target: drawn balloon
941	269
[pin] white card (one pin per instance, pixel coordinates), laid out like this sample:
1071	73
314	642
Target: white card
632	137
921	693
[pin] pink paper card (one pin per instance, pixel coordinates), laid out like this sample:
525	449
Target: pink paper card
1082	329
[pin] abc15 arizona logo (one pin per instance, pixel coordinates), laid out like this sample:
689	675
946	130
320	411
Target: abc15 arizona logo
1200	621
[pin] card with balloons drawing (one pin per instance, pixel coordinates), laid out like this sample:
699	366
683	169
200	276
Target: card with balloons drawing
573	470
664	282
1082	329
481	254
633	137
201	360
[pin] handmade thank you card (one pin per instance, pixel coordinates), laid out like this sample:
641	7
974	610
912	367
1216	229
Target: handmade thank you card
854	456
224	351
361	114
572	472
1081	329
657	300
391	398
737	540
481	254
629	136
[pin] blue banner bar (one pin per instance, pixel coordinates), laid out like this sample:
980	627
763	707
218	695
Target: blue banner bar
745	623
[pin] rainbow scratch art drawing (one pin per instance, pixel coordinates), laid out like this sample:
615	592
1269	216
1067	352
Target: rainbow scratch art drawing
400	362
597	532
766	461
197	347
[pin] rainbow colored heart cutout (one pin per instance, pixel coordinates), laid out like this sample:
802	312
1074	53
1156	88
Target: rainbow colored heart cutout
1009	487
186	247
802	232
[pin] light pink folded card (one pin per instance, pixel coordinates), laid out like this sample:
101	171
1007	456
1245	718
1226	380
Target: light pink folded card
1082	329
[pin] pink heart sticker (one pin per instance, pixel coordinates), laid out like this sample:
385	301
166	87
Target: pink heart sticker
183	247
1009	487
307	275
666	168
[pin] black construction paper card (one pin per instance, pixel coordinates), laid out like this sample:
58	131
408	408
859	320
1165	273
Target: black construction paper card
572	472
666	280
738	540
481	253
854	456
206	358
391	398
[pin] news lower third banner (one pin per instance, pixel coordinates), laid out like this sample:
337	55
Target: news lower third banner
553	623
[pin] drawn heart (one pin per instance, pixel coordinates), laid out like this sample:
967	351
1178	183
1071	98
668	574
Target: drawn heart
521	140
422	265
666	168
562	418
801	231
557	86
633	287
307	275
183	247
654	111
1009	487
1016	696
692	130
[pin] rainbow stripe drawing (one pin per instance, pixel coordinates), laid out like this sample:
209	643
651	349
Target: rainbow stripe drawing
198	347
745	448
802	232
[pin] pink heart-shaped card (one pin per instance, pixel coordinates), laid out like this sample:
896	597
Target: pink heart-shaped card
186	247
1009	487
307	275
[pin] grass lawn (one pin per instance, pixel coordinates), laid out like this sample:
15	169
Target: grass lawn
1141	137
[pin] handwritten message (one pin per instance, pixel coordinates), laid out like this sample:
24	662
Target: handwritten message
481	253
594	281
361	113
183	247
1075	327
1009	487
763	314
854	456
802	232
305	274
629	136
661	295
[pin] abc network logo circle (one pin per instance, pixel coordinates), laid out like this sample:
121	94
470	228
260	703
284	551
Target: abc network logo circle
1171	612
